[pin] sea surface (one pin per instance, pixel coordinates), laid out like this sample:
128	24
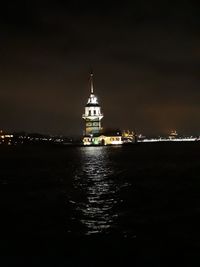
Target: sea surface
133	205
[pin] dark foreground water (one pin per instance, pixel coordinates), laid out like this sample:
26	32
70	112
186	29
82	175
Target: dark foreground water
100	206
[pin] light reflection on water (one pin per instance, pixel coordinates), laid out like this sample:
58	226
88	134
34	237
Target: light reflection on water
95	181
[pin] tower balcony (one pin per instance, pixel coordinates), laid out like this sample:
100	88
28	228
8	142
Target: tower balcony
92	117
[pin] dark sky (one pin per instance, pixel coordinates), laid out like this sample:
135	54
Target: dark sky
145	56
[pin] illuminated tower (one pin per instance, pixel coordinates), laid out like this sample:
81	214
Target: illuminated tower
92	115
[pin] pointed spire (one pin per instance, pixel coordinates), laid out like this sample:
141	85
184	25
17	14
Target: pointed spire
91	83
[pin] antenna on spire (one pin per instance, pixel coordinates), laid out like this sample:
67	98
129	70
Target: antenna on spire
91	83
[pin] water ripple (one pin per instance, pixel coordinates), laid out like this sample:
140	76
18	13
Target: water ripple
95	182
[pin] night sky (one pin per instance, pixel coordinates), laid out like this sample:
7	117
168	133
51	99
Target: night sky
145	56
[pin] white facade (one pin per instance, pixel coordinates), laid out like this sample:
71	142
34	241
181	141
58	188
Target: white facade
92	109
103	140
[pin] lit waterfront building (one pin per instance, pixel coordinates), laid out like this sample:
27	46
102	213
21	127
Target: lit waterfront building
173	134
5	138
92	115
129	136
93	134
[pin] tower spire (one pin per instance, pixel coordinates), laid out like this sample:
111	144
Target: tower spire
91	83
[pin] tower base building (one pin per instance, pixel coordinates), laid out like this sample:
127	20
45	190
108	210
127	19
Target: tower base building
103	140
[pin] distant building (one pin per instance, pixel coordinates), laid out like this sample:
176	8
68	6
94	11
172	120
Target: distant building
129	137
5	138
173	134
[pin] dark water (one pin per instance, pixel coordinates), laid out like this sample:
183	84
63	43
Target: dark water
74	206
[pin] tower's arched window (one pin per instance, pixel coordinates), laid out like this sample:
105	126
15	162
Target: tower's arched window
94	112
89	112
